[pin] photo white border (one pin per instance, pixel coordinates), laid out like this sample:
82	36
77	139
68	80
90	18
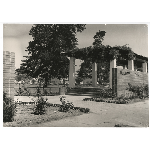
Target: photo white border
77	12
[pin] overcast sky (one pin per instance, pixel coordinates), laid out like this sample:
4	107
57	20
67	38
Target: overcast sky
16	37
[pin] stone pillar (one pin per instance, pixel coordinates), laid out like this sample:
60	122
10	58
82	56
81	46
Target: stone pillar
72	72
94	74
131	65
8	73
144	66
112	65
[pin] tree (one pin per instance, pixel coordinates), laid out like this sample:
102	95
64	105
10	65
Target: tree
44	52
103	67
85	71
98	38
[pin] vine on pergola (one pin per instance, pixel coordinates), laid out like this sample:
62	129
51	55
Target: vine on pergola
103	53
100	53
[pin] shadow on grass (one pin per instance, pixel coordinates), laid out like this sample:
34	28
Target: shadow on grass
122	125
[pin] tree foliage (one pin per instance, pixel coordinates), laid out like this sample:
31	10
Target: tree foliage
85	70
103	66
98	38
9	108
44	52
103	69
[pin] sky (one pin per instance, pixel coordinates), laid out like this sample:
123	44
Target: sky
16	38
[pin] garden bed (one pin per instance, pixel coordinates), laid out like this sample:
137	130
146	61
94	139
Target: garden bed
109	100
25	118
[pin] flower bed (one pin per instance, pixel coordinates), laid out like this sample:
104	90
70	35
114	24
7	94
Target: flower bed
116	100
85	110
25	116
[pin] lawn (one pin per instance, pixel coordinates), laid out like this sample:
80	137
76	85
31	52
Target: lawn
24	116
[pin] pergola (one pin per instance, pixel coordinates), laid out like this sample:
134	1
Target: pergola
115	55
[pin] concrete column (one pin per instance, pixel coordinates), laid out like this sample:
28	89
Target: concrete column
144	65
112	65
72	72
131	65
94	74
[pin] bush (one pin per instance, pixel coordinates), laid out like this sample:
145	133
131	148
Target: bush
66	107
105	93
9	108
40	107
139	91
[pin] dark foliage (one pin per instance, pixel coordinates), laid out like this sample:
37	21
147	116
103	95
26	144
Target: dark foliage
98	38
9	108
40	107
44	52
139	91
103	69
66	106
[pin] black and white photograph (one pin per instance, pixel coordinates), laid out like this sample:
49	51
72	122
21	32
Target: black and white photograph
75	75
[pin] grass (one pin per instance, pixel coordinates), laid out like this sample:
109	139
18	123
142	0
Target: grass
25	117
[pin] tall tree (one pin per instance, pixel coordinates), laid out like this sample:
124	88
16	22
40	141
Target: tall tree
103	67
44	52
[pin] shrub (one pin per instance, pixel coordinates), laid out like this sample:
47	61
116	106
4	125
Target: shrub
40	107
105	93
9	108
66	107
41	104
139	91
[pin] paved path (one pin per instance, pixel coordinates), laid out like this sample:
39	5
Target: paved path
102	114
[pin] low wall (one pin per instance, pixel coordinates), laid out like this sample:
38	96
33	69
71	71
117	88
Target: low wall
121	78
33	90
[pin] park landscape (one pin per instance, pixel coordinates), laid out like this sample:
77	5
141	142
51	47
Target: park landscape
117	94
